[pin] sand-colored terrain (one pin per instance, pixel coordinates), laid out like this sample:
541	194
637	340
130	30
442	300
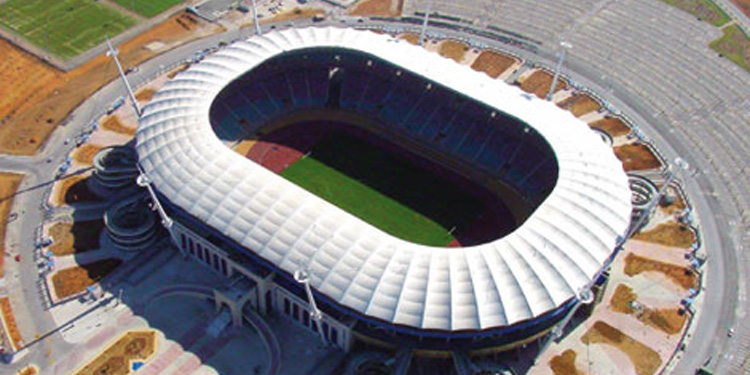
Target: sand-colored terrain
668	234
579	104
8	185
637	157
75	237
565	364
410	37
493	63
10	323
681	276
645	359
85	154
669	321
383	8
115	359
38	105
74	280
113	124
453	50
539	82
612	125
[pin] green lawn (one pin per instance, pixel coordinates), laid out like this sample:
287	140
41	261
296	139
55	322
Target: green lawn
384	190
65	28
734	45
148	8
706	10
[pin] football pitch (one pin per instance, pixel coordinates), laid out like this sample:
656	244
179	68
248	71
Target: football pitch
64	28
148	8
384	190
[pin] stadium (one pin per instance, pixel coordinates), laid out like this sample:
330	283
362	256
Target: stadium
424	204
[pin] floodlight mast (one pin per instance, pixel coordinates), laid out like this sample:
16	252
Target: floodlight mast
565	46
424	23
301	277
258	31
144	181
112	52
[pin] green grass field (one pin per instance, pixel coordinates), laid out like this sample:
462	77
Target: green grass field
706	10
382	189
148	8
65	28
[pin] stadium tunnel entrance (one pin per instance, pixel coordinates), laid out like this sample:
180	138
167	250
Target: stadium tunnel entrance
506	166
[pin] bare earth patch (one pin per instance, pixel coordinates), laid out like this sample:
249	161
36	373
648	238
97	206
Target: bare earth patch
612	125
579	104
74	280
681	276
115	360
565	364
453	50
28	370
85	154
28	117
145	95
539	82
411	38
383	8
734	45
76	237
10	322
9	183
668	234
493	63
75	189
645	360
293	14
636	157
113	124
669	321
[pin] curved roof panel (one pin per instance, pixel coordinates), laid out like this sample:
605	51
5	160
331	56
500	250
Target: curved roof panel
529	272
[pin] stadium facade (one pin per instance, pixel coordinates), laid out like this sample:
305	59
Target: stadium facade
567	191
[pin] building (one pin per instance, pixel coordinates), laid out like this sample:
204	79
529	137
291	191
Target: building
567	191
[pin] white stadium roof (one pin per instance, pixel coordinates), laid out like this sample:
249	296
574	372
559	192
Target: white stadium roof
533	270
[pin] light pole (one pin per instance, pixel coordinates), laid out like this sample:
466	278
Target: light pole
112	52
424	23
303	278
564	47
255	19
144	181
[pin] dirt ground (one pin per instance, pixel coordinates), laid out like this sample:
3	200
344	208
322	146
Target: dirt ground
453	50
85	154
645	359
668	234
669	321
115	360
145	95
10	322
681	276
8	185
565	364
411	38
744	5
37	106
493	63
579	104
75	237
539	82
74	280
28	370
74	189
636	157
113	124
612	125
383	8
